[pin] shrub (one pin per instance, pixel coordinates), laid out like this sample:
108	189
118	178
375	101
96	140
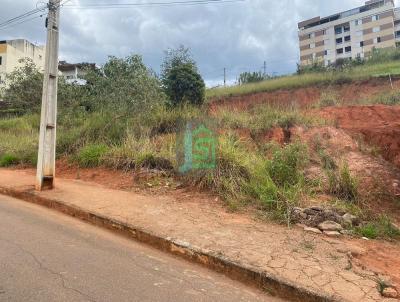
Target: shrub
91	155
8	160
286	164
240	176
342	184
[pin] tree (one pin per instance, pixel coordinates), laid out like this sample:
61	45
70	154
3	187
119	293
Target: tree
180	78
124	85
24	86
23	90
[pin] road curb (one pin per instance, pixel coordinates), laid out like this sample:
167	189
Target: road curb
249	275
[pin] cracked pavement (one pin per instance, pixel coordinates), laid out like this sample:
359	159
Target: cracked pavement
310	261
47	256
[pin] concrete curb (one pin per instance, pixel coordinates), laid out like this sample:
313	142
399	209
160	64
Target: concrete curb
274	285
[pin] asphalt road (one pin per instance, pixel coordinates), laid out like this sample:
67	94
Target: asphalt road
46	256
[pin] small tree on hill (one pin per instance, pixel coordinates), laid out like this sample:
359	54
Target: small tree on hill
180	78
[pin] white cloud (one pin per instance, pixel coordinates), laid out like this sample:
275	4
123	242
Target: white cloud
238	36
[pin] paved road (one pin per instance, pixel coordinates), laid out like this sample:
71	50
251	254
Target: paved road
46	256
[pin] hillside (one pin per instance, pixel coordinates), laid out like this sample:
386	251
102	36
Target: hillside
318	139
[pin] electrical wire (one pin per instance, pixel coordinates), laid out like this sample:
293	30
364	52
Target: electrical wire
148	4
22	18
21	22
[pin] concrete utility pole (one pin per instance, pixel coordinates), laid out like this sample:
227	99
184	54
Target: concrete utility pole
224	77
48	122
265	68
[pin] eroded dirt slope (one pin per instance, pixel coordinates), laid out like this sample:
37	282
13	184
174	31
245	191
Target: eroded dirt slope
377	125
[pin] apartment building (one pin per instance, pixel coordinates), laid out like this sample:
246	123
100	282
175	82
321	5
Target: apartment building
12	51
349	34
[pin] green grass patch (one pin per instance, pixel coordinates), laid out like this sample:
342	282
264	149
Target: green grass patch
135	153
264	117
382	227
91	155
8	160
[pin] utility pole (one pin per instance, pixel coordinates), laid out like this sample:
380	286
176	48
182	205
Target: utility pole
265	68
48	121
224	77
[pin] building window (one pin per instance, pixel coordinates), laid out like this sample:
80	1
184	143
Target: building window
362	44
347	49
312	45
338	30
339	51
1	60
398	34
377	40
346	28
339	40
358	56
324	32
375	18
376	29
358	22
347	38
312	35
325	53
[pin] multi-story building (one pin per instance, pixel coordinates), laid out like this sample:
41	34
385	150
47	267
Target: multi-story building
13	51
74	73
349	34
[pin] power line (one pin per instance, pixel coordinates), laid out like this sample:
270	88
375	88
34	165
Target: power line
24	21
149	4
25	17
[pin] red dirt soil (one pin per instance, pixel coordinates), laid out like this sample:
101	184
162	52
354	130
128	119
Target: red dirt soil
378	125
380	257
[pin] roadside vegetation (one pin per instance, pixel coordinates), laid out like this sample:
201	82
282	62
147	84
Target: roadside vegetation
127	117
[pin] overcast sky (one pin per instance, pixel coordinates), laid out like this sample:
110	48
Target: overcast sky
238	36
